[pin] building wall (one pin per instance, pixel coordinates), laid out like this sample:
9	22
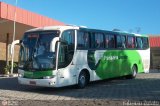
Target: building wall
2	51
154	41
155	58
26	17
3	56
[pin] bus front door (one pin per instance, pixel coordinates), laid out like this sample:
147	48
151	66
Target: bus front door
66	69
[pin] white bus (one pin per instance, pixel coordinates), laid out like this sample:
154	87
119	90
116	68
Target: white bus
59	56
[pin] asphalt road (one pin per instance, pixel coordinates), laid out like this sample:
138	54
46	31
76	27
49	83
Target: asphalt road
119	91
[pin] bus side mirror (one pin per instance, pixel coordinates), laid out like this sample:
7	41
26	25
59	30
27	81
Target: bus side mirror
53	44
12	45
20	41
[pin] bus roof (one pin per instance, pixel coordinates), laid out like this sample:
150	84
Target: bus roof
53	28
66	27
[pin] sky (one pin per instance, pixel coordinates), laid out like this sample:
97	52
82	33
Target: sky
142	16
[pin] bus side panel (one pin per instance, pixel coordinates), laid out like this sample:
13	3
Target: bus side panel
99	62
114	63
80	60
145	55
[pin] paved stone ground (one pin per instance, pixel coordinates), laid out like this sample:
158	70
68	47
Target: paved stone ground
120	91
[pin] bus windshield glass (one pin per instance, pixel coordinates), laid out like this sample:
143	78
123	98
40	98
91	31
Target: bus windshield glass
35	53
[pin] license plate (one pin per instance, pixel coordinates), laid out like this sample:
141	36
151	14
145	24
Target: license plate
32	82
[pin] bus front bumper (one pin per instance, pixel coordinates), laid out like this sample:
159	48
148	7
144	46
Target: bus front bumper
38	82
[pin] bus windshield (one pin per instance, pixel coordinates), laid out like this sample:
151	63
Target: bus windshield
35	53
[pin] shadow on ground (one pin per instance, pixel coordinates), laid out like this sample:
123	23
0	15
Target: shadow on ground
117	89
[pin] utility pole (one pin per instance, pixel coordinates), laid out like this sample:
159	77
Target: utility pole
14	34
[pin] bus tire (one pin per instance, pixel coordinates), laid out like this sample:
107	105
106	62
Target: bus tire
82	80
134	72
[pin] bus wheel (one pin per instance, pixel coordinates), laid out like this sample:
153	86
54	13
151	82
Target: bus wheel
82	80
134	73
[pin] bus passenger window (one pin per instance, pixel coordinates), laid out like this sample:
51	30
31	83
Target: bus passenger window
97	43
118	41
139	42
85	39
130	42
82	40
111	41
99	40
106	41
123	38
145	43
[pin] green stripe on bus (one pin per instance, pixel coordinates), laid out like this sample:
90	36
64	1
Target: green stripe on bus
37	74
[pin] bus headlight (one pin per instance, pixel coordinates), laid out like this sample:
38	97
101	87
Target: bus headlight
49	77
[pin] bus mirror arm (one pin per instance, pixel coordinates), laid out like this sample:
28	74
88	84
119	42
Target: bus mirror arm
20	41
12	46
53	44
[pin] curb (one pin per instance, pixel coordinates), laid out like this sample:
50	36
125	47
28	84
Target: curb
154	71
4	75
10	75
